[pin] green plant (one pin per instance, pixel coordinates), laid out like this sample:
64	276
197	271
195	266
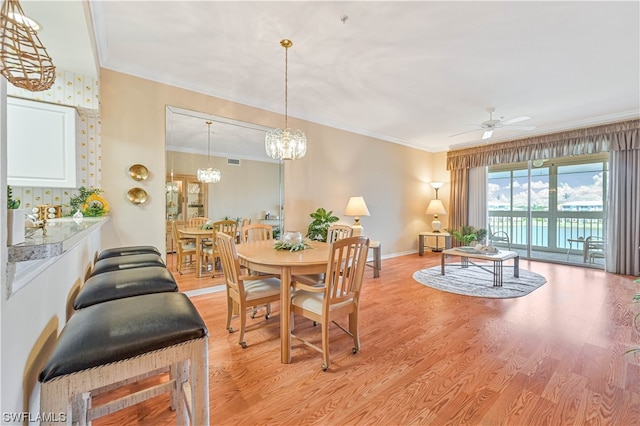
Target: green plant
467	234
322	219
77	202
636	299
11	203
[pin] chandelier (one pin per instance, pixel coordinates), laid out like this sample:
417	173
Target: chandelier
209	175
285	144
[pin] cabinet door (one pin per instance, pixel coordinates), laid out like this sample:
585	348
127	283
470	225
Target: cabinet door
173	205
41	144
196	198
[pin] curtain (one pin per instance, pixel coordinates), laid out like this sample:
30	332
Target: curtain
623	213
590	140
621	139
478	197
459	200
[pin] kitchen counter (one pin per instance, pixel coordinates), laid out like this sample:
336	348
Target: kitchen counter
62	234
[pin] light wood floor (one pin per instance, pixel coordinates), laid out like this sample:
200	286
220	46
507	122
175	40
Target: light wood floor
554	357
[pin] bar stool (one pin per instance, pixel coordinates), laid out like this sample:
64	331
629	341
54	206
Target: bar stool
126	262
127	251
123	283
112	343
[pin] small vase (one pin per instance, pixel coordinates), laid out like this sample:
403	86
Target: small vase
15	226
78	216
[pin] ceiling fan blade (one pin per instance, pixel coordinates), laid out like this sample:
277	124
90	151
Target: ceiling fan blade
519	127
468	131
487	134
515	120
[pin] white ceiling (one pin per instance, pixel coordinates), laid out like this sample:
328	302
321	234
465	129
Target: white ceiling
412	73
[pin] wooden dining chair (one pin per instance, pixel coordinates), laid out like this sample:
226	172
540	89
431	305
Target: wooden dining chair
185	248
338	296
197	221
334	233
246	291
256	232
338	232
211	252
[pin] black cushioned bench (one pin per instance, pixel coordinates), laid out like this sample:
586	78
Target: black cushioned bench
113	342
127	251
126	262
123	283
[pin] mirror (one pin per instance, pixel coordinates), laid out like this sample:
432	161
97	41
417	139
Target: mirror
250	184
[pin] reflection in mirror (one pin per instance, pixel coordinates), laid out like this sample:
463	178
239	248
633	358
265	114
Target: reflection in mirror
250	185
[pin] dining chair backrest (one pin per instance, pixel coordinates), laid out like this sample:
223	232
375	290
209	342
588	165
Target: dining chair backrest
256	232
230	264
345	270
338	232
229	227
245	221
196	221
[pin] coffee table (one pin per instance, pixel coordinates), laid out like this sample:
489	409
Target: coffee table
467	253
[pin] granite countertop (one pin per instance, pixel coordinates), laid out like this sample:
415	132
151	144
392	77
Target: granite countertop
62	233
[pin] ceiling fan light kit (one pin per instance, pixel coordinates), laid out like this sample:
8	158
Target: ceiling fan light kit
492	124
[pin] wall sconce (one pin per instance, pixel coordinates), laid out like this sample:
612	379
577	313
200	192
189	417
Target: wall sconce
356	207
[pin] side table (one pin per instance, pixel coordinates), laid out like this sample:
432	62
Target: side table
437	235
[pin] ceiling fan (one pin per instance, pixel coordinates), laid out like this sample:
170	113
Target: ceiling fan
492	124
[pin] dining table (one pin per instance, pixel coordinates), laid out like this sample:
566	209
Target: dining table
198	234
261	256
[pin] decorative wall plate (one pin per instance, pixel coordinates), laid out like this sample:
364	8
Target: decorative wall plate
138	172
137	195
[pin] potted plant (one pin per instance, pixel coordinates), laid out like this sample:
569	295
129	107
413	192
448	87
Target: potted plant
322	219
636	325
468	234
89	203
15	220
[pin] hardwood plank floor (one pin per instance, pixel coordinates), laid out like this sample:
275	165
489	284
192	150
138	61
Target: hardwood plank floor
553	357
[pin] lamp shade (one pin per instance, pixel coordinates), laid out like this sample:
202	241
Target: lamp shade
356	207
436	207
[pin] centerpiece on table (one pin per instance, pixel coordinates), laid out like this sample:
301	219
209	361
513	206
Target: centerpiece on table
291	241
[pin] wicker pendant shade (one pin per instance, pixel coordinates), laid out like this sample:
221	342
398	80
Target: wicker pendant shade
24	61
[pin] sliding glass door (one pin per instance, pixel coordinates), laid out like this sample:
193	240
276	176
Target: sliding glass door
551	210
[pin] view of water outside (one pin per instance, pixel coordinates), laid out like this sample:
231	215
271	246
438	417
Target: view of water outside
566	199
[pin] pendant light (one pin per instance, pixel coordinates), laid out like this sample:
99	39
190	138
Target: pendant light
209	175
24	60
287	144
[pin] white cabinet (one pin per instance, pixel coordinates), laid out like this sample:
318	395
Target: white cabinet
41	144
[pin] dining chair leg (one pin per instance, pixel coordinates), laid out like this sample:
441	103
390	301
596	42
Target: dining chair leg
229	313
243	324
325	344
354	329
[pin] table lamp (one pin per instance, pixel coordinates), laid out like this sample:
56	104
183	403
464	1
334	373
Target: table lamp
356	207
436	207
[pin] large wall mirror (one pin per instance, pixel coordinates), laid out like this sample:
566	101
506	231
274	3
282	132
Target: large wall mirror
250	184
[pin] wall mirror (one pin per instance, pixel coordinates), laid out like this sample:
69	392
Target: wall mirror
251	182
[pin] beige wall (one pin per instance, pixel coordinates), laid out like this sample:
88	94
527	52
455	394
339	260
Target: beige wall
392	178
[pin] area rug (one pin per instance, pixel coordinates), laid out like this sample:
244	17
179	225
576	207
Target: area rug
473	281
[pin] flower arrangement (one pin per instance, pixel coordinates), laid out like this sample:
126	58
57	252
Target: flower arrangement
285	245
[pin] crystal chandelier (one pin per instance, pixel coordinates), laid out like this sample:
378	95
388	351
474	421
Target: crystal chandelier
209	175
287	144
